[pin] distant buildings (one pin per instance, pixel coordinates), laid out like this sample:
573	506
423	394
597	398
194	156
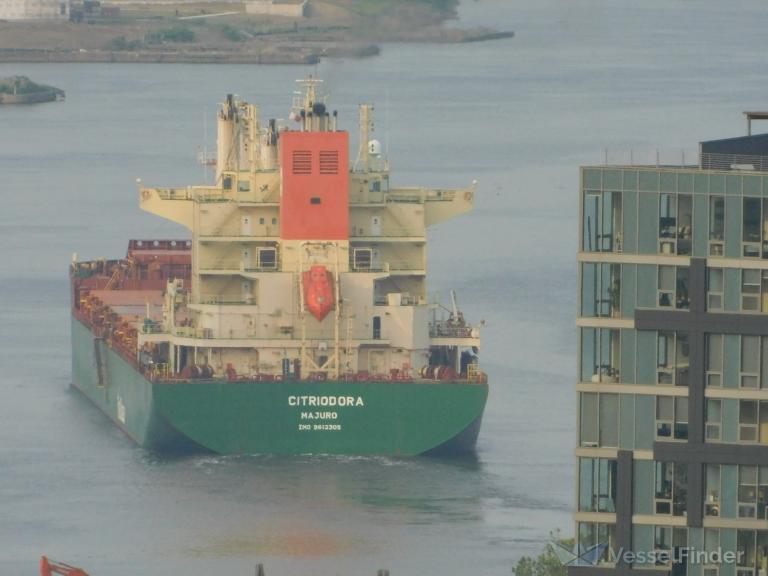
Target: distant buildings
289	8
34	9
92	10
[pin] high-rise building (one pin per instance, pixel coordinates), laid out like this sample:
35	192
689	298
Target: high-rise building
673	364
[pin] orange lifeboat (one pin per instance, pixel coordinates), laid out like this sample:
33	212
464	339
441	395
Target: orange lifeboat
318	291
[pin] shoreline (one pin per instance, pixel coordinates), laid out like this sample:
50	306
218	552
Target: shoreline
209	32
281	54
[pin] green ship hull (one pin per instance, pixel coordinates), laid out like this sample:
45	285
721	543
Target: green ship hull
277	417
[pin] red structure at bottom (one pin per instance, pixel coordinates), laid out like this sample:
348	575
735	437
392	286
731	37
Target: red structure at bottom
49	567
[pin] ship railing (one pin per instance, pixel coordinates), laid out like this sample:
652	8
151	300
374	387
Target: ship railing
159	373
403	301
268	233
150	245
366	267
152	328
404	265
173	193
196	193
283	332
420	195
684	158
239	266
386	232
224	300
452	329
474	374
389	266
650	157
90	268
209	194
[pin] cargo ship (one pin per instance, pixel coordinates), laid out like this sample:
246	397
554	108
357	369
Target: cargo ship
295	318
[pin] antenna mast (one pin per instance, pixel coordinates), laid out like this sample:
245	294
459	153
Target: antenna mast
366	127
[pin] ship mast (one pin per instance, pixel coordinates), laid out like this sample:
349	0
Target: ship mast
310	109
366	127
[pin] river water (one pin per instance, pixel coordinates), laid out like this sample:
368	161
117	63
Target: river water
517	115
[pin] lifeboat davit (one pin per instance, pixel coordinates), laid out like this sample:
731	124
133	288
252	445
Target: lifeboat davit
318	291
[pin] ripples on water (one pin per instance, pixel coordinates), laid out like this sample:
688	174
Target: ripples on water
518	115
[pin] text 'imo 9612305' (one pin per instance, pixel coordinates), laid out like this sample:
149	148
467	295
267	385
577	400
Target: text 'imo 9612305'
295	319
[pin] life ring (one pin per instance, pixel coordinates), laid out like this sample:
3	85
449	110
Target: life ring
468	196
145	194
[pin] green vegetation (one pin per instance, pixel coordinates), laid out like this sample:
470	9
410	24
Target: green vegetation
233	34
174	34
547	563
120	43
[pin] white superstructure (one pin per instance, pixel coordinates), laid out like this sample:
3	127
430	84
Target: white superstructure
246	308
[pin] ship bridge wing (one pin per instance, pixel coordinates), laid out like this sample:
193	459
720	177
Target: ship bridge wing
174	204
439	203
